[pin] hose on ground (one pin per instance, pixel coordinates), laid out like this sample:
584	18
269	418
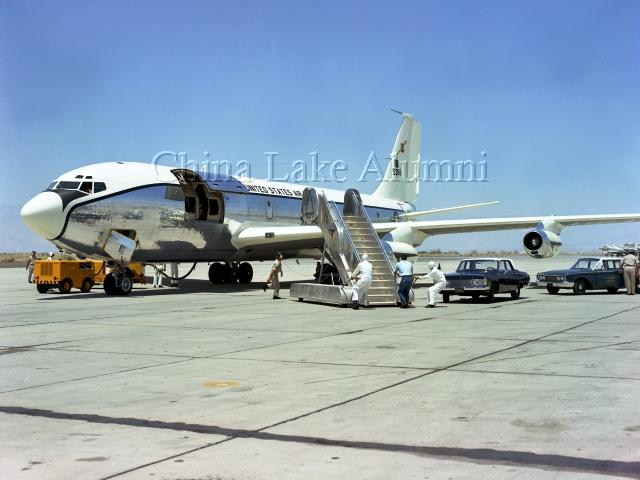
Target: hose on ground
169	277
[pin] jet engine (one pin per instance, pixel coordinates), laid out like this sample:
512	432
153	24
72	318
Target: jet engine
399	248
542	244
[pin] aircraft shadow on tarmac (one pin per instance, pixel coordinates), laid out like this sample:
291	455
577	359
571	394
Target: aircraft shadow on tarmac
186	287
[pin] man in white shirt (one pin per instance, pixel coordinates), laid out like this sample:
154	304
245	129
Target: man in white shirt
629	266
439	282
404	270
363	273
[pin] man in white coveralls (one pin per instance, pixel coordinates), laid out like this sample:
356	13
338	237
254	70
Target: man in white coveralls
364	270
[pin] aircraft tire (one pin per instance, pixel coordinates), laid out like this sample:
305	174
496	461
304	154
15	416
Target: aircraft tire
126	285
245	272
109	284
230	274
216	272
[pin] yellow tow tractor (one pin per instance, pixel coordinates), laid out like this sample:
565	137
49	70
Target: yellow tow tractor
82	274
64	275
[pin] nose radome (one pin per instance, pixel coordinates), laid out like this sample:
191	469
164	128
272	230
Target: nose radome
43	214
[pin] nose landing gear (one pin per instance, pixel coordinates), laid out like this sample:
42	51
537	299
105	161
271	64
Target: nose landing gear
230	272
119	281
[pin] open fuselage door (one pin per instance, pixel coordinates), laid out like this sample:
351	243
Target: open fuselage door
200	202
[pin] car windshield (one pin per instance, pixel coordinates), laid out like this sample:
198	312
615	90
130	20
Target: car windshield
585	263
470	265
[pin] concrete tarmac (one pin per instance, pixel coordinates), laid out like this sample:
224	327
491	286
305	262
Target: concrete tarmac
221	382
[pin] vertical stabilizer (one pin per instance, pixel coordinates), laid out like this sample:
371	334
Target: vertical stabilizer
401	178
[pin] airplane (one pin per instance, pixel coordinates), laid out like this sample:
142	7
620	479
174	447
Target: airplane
619	249
181	215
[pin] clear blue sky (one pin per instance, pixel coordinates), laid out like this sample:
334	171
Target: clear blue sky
549	89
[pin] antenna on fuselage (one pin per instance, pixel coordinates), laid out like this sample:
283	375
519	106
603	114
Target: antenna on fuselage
397	111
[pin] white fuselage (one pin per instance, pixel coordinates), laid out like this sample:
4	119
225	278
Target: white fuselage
174	219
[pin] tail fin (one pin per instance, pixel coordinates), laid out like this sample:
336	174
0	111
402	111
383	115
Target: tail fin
401	179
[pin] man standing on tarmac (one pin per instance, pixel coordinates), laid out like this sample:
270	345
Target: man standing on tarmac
157	274
365	271
276	269
629	267
404	270
31	263
174	274
439	282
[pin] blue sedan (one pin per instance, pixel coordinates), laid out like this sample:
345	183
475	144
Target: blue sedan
588	273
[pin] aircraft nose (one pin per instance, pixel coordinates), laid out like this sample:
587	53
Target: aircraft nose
43	214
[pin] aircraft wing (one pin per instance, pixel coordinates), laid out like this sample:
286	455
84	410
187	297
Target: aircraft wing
442	227
310	236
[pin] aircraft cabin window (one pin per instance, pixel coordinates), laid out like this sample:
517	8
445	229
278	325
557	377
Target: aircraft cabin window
68	185
86	187
99	187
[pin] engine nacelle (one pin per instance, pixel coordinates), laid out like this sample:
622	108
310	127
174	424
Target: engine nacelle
541	244
399	248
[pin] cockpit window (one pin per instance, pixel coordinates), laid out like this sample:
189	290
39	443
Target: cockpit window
85	187
68	185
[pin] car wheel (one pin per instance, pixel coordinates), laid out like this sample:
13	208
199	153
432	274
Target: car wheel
515	295
553	290
580	287
491	296
475	297
65	286
612	290
42	288
445	298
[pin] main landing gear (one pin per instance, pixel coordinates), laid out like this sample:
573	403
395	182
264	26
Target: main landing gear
230	272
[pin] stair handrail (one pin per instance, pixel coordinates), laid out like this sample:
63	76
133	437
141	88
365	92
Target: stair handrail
344	237
363	213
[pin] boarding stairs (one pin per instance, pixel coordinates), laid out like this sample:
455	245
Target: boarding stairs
348	234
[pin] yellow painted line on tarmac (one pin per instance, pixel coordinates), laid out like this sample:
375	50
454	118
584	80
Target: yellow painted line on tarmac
221	384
